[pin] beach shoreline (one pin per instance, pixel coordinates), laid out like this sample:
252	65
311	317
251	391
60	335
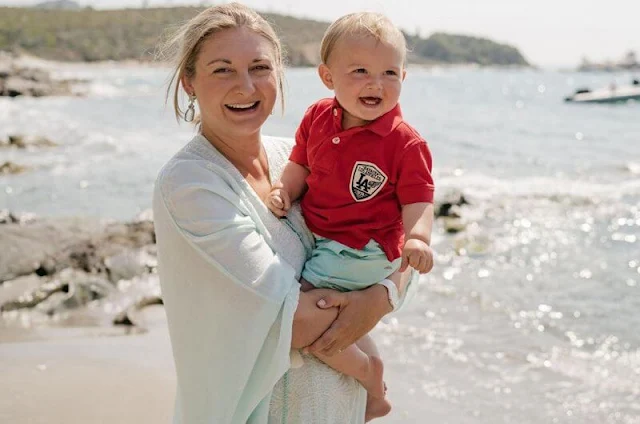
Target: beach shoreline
80	380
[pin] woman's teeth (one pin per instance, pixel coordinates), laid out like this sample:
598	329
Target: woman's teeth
242	106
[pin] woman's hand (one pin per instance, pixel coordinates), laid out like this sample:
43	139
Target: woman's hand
359	312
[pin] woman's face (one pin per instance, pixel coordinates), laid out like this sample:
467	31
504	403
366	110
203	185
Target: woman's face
235	83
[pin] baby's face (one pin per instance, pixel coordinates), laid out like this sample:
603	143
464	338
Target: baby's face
366	76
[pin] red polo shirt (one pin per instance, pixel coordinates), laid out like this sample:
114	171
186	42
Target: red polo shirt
360	178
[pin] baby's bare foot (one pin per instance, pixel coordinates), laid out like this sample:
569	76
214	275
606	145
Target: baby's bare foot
376	408
373	384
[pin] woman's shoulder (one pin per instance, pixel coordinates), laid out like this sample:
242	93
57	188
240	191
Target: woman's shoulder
190	165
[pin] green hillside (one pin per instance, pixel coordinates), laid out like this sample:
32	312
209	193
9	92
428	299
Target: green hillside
93	35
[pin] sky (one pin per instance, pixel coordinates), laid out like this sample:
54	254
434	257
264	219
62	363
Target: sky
549	33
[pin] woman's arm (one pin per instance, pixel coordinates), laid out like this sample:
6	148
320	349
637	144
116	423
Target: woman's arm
230	300
310	321
358	312
210	215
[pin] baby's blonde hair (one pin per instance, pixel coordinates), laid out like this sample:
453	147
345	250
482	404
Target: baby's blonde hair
184	46
361	24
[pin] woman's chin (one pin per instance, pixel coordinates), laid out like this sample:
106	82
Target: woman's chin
247	119
246	128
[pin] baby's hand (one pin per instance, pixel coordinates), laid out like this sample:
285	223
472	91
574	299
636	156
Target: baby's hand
278	201
418	255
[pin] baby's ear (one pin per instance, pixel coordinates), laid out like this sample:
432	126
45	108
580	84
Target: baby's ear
325	76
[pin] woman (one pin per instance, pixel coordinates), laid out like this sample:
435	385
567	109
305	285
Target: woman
228	268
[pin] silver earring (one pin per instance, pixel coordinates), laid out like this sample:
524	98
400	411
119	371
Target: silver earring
190	113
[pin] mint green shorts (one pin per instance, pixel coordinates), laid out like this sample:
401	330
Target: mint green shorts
335	266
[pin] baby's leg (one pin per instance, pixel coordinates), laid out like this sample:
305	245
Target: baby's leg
376	406
355	362
360	361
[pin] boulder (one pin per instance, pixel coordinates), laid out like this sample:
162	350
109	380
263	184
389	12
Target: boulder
10	168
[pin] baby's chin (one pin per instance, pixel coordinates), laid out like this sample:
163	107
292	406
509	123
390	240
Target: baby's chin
371	115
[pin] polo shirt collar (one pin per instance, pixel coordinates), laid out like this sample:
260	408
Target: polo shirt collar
383	126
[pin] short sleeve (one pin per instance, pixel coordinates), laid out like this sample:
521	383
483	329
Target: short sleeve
299	152
415	183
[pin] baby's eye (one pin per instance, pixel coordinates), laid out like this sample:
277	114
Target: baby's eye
360	71
391	72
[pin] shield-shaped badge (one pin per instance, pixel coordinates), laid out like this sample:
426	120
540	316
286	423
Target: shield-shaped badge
366	181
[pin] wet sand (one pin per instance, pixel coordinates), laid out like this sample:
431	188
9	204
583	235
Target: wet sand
76	379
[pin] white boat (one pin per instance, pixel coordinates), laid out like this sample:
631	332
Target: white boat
612	94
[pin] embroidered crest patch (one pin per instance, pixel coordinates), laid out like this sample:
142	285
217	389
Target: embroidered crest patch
366	181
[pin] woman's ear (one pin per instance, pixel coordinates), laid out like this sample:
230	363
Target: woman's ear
325	76
186	84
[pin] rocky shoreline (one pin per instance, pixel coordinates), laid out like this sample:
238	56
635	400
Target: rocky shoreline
96	272
21	142
76	271
19	78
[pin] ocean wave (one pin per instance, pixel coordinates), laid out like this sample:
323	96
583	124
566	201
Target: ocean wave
633	168
104	89
486	188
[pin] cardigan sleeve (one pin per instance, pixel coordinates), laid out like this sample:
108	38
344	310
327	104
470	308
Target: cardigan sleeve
229	299
208	214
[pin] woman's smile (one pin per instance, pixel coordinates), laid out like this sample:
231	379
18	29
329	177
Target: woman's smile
242	108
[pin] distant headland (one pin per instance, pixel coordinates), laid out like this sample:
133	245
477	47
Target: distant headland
63	30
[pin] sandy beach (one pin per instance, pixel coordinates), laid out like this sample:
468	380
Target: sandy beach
74	379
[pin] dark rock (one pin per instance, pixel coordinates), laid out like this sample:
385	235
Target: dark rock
17	80
131	263
127	317
453	225
450	207
24	142
29	300
75	289
10	168
7	217
42	244
123	319
49	245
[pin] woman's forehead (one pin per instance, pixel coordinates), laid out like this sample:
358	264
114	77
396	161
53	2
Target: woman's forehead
236	44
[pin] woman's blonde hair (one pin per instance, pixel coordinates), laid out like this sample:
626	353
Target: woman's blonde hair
361	24
185	44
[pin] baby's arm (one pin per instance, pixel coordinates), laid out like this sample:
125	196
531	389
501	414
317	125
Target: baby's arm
291	186
417	219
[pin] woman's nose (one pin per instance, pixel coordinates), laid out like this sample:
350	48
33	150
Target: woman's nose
246	85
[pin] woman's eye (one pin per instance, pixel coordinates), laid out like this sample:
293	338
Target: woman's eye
221	70
262	68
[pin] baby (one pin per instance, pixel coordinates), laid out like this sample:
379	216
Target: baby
366	178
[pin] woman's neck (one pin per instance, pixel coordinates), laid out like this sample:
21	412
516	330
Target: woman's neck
245	153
